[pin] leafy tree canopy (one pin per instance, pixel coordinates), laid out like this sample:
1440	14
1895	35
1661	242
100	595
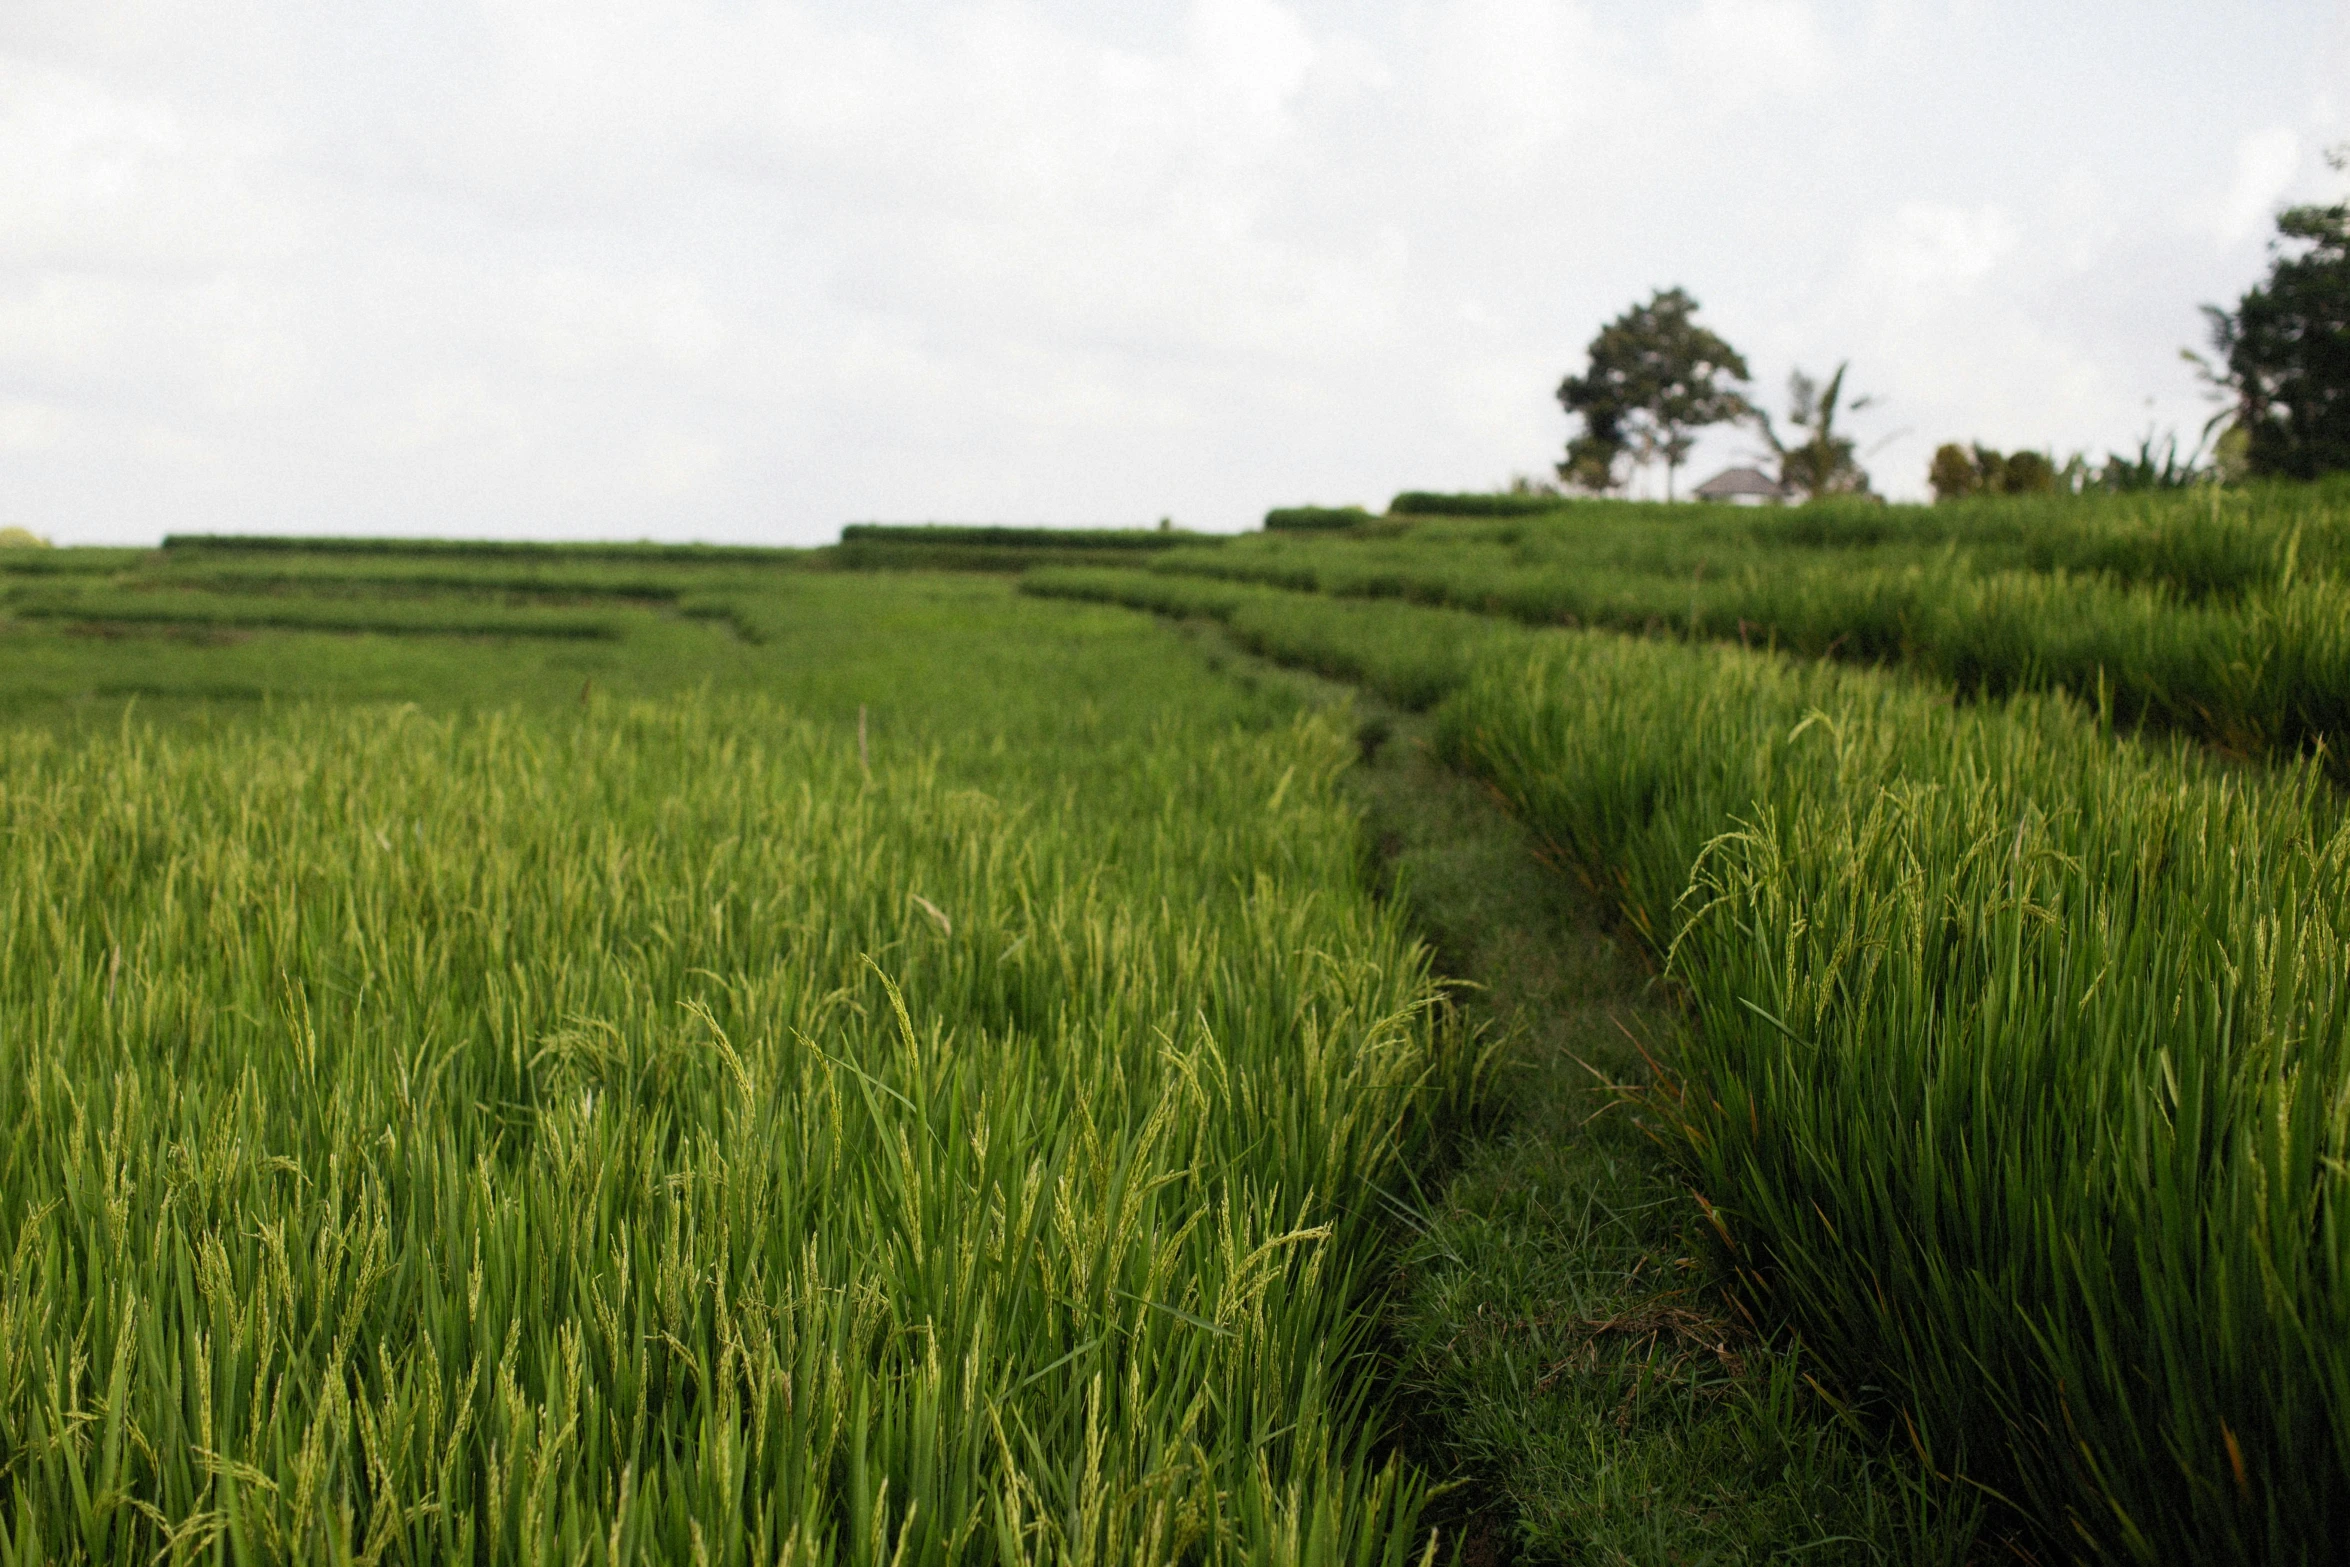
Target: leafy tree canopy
2285	350
1656	378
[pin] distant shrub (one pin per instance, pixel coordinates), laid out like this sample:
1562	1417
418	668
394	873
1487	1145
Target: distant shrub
867	554
1954	473
2161	468
21	539
1429	503
1313	519
2029	473
1960	471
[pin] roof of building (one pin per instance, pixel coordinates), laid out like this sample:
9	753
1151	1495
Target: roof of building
1738	481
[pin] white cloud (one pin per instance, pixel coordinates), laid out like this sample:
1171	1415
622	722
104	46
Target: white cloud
1734	51
2266	162
1927	253
584	323
1255	54
92	179
28	426
1503	86
752	269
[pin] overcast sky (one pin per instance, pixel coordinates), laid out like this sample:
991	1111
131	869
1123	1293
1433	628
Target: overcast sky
746	271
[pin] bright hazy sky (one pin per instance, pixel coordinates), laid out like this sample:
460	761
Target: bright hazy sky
740	270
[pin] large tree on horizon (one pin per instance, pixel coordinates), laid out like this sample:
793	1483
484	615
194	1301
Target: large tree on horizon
2284	351
1656	378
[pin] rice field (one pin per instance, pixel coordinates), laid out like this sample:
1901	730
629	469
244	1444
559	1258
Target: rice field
636	1054
2020	1048
852	1114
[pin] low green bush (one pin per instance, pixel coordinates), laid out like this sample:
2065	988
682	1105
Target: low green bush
1313	519
878	555
1431	503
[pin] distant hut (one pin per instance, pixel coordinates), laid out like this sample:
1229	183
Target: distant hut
1742	487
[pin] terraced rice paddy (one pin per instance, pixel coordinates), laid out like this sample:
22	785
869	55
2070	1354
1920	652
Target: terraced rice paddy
514	1054
2223	616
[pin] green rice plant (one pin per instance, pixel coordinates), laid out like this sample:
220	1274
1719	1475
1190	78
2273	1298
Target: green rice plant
372	614
673	1132
2019	1065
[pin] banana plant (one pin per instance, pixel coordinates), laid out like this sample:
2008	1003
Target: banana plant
1819	461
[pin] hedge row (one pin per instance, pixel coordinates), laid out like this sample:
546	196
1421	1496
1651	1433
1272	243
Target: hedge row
480	549
928	535
1430	503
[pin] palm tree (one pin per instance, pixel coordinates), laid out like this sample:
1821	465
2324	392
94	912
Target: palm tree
1822	462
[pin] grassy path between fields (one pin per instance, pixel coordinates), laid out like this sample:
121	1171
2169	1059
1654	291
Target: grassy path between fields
1565	1356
